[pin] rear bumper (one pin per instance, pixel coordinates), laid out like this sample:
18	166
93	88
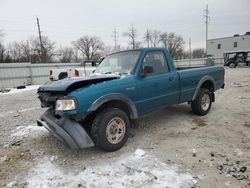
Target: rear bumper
66	130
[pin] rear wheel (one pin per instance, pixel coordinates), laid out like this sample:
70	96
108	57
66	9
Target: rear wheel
203	102
63	75
232	65
110	129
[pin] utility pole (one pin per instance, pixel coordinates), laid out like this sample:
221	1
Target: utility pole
190	56
190	50
206	16
115	35
40	37
148	37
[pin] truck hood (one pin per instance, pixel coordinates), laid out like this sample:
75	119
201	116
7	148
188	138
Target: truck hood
70	84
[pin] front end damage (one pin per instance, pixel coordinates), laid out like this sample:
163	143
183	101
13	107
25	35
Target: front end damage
66	130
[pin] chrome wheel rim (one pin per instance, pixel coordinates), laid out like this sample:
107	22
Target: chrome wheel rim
205	102
115	130
231	65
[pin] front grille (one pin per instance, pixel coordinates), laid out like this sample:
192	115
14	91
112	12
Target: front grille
48	99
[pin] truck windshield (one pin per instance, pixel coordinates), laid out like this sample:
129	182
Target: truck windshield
119	63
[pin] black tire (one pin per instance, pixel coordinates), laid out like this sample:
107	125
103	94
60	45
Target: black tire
231	65
63	75
102	122
197	106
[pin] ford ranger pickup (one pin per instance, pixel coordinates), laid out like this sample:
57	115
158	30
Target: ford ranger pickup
98	110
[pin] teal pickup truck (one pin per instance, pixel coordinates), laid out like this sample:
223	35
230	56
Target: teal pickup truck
99	109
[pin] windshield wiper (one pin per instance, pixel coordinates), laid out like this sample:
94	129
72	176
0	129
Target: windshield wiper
108	73
124	73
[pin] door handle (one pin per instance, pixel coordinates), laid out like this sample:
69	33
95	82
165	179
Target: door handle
171	78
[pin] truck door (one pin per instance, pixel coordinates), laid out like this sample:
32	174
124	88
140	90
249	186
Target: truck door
160	87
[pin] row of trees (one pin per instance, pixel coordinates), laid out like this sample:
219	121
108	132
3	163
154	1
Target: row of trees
154	38
27	51
91	47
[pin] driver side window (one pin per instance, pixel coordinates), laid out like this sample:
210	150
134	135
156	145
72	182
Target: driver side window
157	61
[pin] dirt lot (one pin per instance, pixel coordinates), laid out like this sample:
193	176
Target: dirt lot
170	148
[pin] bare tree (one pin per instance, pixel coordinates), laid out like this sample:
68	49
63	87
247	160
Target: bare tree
89	46
47	53
132	34
199	53
2	50
107	50
180	54
172	42
26	50
155	38
76	55
1	34
66	54
175	43
164	39
14	51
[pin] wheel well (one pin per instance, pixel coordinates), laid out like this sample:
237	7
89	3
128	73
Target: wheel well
208	85
114	104
234	62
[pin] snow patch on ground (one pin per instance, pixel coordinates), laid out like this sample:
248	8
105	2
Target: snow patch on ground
134	170
16	91
28	131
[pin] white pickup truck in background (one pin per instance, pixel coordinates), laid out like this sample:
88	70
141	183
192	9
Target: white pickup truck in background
61	73
86	69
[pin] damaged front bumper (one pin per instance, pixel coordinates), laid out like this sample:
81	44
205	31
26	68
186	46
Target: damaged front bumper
67	130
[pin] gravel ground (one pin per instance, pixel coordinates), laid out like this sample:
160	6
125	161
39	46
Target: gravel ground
177	148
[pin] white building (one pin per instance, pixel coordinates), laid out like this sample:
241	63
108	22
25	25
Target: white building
218	46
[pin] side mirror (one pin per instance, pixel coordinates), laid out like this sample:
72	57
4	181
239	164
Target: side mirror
145	71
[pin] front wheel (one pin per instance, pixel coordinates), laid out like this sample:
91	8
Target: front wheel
203	102
110	129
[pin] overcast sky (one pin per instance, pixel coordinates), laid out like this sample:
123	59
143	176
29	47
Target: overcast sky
64	21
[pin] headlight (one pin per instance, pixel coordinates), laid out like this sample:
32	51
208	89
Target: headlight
65	104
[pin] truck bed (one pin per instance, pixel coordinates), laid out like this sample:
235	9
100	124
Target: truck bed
190	77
